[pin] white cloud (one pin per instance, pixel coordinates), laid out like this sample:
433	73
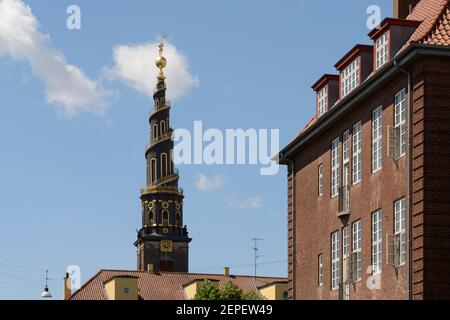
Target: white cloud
251	202
205	183
135	65
66	86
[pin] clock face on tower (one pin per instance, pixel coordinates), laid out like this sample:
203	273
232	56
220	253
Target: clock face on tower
166	246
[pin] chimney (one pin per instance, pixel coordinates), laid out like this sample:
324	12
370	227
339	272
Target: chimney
67	287
226	271
150	268
402	8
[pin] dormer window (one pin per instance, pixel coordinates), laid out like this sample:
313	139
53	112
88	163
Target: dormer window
354	67
322	101
327	93
381	50
389	37
350	77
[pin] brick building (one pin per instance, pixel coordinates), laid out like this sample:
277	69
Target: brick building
368	193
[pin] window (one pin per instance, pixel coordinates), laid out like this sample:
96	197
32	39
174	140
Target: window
350	77
357	146
377	233
346	254
165	218
381	49
356	251
377	139
335	261
335	168
400	119
178	219
400	213
151	218
155	132
346	160
153	171
321	181
164	167
320	271
322	101
346	146
162	125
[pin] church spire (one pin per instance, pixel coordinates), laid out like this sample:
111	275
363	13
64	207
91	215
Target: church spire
163	242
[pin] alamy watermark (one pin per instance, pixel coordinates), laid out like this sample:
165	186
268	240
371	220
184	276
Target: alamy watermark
232	147
73	21
374	19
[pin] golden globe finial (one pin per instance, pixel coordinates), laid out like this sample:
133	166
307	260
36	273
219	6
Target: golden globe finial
161	62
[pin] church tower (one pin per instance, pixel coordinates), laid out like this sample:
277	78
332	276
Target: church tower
163	242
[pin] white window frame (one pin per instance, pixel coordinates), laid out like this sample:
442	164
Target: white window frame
377	242
382	50
400	119
335	167
350	77
357	249
346	250
321	180
357	152
320	270
346	147
335	261
400	227
377	139
322	101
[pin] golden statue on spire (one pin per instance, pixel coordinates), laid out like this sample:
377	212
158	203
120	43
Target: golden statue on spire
161	62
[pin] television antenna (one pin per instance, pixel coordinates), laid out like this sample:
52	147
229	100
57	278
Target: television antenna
256	255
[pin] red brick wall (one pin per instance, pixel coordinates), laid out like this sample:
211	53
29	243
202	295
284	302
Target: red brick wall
436	181
316	217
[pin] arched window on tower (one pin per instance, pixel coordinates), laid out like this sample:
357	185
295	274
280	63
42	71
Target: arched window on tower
157	103
151	218
178	219
164	171
171	162
162	126
165	218
155	132
153	172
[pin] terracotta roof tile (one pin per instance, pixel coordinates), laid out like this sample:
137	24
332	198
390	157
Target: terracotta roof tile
164	285
441	33
429	12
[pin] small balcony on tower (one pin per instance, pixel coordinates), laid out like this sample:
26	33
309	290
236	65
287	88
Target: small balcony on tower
162	106
344	201
160	138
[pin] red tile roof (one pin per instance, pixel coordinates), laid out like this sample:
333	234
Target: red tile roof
164	285
441	33
309	124
429	12
434	29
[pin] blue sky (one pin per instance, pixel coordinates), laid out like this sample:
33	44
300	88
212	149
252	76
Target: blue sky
69	191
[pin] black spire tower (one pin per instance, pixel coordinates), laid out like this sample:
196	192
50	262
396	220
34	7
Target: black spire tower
163	242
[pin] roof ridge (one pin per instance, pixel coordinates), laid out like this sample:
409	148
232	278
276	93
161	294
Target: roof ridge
188	273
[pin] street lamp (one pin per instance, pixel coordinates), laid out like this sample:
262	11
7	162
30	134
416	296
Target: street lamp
46	293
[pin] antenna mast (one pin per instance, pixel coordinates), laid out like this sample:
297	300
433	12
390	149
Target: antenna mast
255	249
